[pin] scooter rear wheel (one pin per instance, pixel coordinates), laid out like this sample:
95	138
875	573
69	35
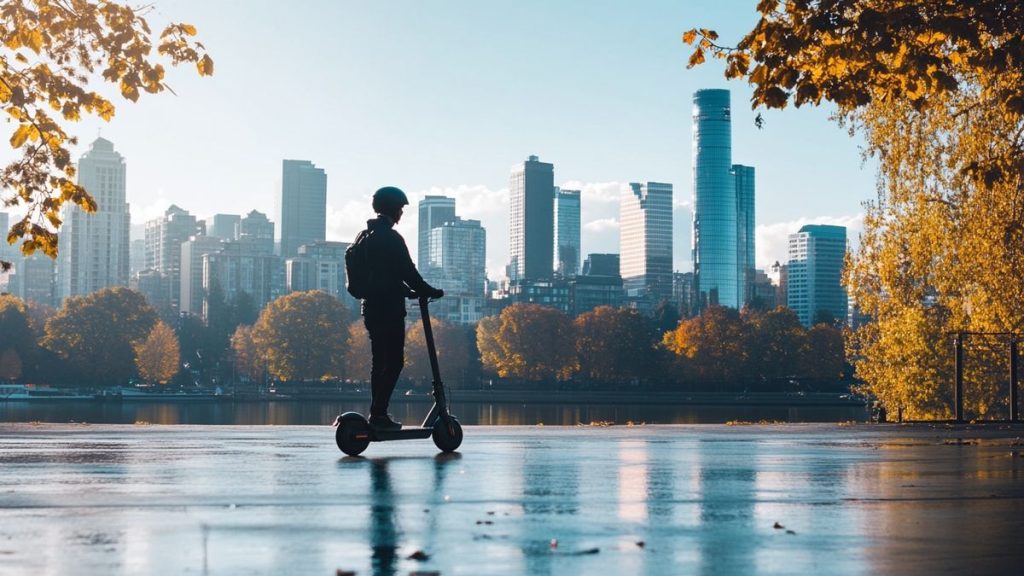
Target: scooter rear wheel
353	433
447	440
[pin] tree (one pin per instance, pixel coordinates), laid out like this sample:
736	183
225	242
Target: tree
97	334
157	356
247	358
10	365
301	338
54	53
823	357
777	340
16	333
452	352
357	351
528	341
616	345
713	345
937	89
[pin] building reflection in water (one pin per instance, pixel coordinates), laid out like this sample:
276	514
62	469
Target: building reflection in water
726	509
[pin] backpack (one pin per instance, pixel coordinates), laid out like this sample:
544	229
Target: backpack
357	266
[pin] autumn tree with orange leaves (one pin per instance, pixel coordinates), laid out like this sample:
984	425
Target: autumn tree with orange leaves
52	52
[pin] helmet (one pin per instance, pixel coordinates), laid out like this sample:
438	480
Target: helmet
389	200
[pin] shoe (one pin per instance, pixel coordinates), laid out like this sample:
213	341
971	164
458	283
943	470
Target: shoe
384	423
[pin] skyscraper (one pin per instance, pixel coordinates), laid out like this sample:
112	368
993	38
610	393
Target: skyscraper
645	240
746	274
191	284
94	247
434	211
164	237
567	232
532	222
303	205
815	270
457	259
723	208
715	263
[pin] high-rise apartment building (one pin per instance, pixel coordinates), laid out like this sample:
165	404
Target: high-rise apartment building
191	284
303	205
320	266
567	232
258	231
237	268
36	279
815	270
434	212
645	240
94	247
8	254
223	226
532	220
164	237
457	265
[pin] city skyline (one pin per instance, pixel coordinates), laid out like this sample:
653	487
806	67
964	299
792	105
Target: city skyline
414	104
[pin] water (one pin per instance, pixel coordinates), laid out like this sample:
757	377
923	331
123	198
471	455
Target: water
310	412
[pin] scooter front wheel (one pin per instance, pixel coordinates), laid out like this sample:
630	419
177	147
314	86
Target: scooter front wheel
353	433
447	437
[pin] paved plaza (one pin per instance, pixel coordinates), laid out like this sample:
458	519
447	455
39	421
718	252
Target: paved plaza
708	499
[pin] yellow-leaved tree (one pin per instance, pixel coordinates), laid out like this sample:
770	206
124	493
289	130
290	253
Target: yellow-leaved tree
528	341
937	90
53	50
157	356
301	337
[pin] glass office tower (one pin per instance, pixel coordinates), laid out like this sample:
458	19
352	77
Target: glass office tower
434	212
744	178
567	232
715	266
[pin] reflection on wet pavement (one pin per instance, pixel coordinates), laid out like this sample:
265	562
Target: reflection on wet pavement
641	500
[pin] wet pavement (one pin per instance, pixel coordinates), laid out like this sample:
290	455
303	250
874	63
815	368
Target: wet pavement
762	499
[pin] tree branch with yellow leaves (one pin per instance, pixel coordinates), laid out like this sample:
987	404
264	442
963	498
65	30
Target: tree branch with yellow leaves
50	50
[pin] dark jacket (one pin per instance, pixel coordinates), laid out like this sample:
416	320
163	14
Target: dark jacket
392	273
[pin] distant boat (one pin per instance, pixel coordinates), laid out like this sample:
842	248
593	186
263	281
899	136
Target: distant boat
33	393
129	394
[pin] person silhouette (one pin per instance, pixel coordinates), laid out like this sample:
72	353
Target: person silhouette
392	278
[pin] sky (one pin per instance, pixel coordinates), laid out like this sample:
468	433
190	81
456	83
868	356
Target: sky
445	96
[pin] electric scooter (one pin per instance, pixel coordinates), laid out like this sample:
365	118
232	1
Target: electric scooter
353	432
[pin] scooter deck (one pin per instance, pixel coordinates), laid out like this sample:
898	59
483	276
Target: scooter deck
403	434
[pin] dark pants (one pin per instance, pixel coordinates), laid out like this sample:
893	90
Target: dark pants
387	344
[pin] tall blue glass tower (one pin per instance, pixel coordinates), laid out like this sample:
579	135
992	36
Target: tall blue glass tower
744	179
715	235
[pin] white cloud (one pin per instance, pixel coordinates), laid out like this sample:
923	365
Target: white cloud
600	192
347	220
772	240
601	225
152	210
472	201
